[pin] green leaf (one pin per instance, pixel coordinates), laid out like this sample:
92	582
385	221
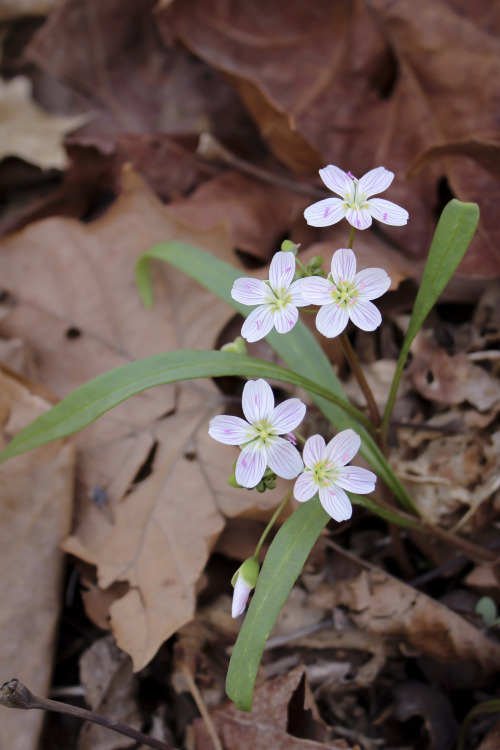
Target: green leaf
285	559
299	349
90	401
452	237
487	609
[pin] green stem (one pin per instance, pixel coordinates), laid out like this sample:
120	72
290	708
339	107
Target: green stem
488	707
301	266
351	238
271	523
384	425
355	366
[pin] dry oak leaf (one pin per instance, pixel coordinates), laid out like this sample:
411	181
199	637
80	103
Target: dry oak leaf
36	493
382	604
14	9
29	133
284	717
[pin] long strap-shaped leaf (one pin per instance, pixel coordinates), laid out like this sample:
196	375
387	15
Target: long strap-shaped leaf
299	349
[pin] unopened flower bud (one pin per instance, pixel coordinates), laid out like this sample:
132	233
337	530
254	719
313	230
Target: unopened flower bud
238	345
287	246
244	580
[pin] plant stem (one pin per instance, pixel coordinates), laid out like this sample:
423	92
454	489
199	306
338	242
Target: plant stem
271	523
351	238
488	707
14	694
355	366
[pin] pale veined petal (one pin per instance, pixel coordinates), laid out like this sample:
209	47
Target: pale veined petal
285	319
295	292
334	178
365	315
251	465
284	459
258	324
388	212
343	447
240	597
343	266
375	181
288	415
305	487
326	212
359	217
372	283
281	271
356	479
317	291
314	450
335	502
331	320
231	430
250	292
257	401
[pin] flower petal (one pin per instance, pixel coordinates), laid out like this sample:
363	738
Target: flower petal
258	324
285	319
357	479
250	291
284	459
335	502
334	178
257	401
317	291
288	415
372	283
331	320
240	597
314	450
326	212
343	447
359	217
375	181
251	465
231	430
281	270
295	292
388	212
365	315
343	266
305	487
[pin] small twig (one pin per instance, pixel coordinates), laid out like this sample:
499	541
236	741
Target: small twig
209	148
198	699
14	694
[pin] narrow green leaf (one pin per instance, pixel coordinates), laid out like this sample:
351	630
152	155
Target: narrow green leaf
452	237
300	350
285	559
90	401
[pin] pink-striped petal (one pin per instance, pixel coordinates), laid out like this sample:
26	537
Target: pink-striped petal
240	597
356	479
388	212
258	324
305	487
314	450
331	320
360	218
257	401
284	459
231	430
288	415
372	283
343	266
281	270
317	291
295	292
334	178
343	447
251	465
365	315
285	319
324	213
250	291
335	502
375	181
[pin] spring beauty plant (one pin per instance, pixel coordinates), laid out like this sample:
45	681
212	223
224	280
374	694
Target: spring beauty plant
271	438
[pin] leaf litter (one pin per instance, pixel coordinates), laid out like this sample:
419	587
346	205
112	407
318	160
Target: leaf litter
157	533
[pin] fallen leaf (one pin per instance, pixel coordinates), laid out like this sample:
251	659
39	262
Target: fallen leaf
416	699
11	10
35	514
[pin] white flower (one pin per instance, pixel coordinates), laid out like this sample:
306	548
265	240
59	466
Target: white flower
259	436
277	298
355	203
346	295
244	580
326	472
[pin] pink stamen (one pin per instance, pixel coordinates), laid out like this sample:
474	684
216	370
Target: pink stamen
350	174
291	437
327	211
345	457
385	217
